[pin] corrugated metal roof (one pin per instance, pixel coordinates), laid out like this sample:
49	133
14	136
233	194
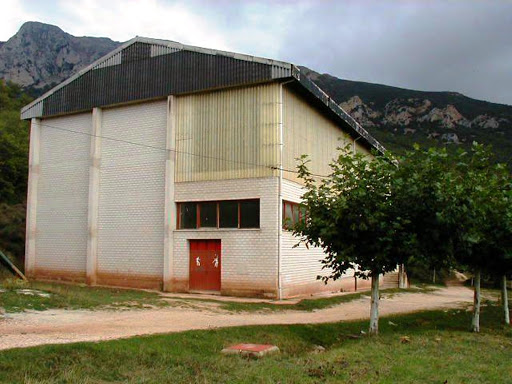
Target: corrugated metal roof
145	68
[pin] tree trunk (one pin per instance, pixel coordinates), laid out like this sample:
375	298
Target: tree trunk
402	277
504	299
476	303
374	309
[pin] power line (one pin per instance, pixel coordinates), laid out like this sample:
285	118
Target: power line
153	147
311	174
173	150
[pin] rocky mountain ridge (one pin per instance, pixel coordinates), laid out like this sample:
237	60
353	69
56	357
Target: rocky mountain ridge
40	56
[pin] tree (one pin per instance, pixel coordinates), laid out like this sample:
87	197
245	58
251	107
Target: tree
417	189
458	206
14	144
351	216
475	204
439	207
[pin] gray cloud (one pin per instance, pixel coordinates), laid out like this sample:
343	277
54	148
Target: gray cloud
455	46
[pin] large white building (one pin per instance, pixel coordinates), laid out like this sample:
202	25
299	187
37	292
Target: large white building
168	166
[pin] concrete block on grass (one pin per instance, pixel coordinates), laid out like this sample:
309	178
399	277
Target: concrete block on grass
253	350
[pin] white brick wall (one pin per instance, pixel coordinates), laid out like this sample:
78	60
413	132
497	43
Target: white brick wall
131	197
300	265
249	256
61	218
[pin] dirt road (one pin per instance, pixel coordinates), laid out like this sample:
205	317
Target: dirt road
66	326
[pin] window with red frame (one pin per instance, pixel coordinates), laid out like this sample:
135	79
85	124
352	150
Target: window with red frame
219	214
292	214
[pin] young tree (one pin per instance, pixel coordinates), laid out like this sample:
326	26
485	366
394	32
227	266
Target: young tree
444	209
351	216
417	190
476	205
498	236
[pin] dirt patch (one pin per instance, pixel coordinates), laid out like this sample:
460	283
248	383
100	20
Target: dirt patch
65	326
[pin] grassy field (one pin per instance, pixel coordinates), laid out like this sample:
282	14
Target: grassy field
42	296
440	349
68	296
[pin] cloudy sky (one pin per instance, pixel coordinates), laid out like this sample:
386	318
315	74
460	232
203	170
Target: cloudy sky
463	46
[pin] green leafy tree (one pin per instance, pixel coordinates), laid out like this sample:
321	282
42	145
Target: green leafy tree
417	189
14	144
352	217
475	204
435	207
496	245
458	208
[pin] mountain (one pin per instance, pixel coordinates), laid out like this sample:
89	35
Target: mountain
399	117
40	56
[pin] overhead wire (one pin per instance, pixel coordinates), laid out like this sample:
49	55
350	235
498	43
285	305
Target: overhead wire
173	150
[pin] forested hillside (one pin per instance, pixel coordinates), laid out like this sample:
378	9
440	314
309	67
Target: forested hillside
13	169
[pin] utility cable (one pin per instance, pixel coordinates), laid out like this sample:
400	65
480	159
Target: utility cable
173	150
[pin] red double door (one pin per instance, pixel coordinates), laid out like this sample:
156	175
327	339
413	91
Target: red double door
205	263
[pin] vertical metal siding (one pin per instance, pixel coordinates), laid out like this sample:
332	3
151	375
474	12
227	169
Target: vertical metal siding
131	197
112	60
158	50
227	134
307	131
63	188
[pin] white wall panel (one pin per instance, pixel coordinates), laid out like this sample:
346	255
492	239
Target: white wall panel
131	197
61	219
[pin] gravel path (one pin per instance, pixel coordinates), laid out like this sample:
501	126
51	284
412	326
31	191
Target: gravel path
65	326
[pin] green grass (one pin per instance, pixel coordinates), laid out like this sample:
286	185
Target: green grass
440	350
68	296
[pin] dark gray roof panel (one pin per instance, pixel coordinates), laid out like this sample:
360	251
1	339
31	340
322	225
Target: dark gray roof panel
141	77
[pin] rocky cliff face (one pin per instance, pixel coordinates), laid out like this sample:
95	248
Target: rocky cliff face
407	116
42	55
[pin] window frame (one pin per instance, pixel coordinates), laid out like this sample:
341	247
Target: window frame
180	204
296	209
179	220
